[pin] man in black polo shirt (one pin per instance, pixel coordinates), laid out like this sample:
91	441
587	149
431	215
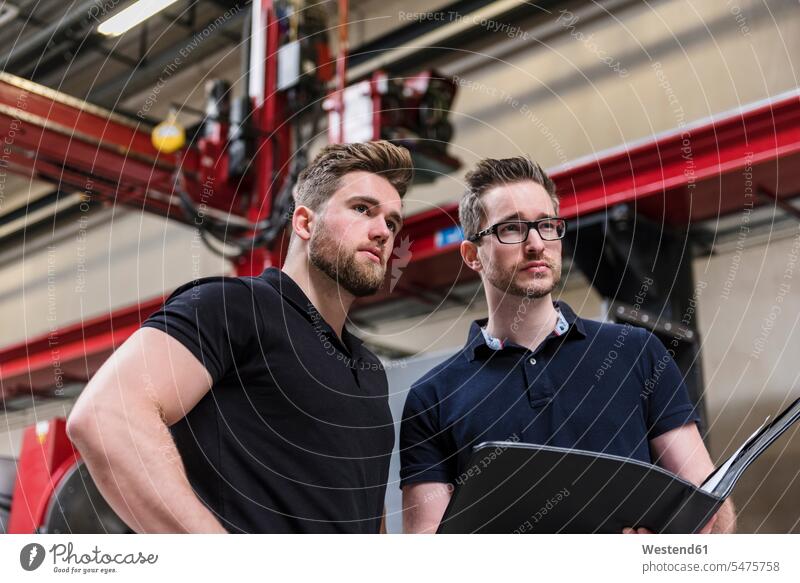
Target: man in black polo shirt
533	371
244	404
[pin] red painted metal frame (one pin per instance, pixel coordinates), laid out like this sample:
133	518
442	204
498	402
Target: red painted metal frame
272	148
705	170
698	172
75	145
78	146
69	354
694	174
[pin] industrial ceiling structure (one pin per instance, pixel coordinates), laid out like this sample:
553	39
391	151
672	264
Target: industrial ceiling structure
640	210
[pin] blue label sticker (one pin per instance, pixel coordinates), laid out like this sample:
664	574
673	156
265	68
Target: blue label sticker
449	236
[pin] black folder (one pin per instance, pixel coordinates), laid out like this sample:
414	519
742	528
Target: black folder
511	487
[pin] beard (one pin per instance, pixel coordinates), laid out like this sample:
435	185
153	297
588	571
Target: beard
328	254
505	280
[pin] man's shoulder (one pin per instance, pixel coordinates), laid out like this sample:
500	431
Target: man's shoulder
627	340
597	330
369	357
439	379
227	289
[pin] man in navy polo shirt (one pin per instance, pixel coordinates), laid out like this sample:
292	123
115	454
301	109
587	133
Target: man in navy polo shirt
534	371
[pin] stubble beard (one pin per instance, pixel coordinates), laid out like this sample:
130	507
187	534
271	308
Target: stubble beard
505	280
329	255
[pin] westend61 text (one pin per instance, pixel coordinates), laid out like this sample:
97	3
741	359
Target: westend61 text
675	550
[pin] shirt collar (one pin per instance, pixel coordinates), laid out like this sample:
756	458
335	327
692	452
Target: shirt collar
295	295
479	339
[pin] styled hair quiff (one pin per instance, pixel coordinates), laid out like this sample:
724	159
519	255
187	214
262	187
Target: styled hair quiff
320	179
489	173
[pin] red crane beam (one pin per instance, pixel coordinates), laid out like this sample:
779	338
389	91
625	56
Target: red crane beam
705	170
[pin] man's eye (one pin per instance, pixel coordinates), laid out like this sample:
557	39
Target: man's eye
361	208
392	226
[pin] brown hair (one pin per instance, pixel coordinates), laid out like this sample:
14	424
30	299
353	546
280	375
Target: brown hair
489	173
317	183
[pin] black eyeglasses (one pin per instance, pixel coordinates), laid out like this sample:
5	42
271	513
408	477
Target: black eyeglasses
511	232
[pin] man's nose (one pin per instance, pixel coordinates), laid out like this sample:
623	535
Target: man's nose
379	230
534	242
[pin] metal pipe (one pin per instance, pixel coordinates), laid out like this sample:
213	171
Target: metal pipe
785	205
109	94
341	65
31	49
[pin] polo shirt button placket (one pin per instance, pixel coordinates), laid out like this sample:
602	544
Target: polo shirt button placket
535	401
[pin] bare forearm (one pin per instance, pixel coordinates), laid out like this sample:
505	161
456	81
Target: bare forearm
423	507
416	522
138	469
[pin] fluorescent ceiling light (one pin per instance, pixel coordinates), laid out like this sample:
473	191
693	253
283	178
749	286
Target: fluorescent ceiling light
132	16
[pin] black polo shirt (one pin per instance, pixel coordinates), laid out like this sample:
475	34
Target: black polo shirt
589	385
296	433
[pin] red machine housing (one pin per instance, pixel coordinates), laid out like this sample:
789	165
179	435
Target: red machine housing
46	456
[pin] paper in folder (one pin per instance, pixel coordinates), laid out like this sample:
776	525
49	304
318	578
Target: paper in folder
526	488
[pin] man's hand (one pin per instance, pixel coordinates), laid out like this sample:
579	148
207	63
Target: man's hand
724	521
636	531
707	529
682	452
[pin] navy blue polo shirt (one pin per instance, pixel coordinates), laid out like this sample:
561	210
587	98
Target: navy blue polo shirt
589	385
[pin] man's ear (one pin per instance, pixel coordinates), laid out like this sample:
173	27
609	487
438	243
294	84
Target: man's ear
303	222
469	253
